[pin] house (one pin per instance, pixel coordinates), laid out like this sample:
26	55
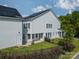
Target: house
40	25
17	30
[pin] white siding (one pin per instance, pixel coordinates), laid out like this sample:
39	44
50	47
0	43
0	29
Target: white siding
10	33
39	24
29	30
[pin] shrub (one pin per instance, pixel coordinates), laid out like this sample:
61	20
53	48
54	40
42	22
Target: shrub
47	39
66	45
52	53
56	52
61	42
55	40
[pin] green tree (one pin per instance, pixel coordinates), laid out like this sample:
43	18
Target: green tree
70	25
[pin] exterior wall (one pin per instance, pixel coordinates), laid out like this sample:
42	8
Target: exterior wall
10	33
39	24
29	30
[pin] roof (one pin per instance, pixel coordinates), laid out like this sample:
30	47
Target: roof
35	15
9	12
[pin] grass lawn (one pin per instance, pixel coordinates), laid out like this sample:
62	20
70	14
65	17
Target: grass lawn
25	50
42	45
69	55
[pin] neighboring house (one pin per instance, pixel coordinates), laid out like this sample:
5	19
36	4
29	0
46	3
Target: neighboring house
15	30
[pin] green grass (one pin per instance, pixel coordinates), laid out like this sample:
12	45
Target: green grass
30	49
69	55
42	45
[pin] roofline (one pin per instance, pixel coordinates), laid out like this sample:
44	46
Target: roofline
33	18
48	10
55	16
13	9
18	19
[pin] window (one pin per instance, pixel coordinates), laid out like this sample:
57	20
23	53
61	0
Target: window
24	25
27	25
37	36
60	34
29	36
48	35
41	35
48	25
32	36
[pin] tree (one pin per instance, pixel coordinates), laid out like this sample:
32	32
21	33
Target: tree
70	25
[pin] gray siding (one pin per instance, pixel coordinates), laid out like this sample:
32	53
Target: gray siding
10	33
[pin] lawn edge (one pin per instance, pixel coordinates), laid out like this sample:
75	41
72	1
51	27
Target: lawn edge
75	55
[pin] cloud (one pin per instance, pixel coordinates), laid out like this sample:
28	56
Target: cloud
38	8
24	15
67	4
48	6
5	5
41	8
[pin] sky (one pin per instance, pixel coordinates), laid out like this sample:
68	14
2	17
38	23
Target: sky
27	7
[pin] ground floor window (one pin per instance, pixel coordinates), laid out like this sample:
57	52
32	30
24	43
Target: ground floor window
33	36
37	36
55	33
60	34
29	36
48	35
41	35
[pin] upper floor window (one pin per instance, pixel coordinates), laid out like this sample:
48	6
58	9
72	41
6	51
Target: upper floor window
48	25
27	25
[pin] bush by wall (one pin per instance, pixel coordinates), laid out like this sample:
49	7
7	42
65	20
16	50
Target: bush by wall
47	39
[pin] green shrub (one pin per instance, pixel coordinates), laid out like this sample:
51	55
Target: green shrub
52	53
61	42
47	39
56	52
55	40
66	45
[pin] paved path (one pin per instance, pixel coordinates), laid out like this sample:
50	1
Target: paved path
77	57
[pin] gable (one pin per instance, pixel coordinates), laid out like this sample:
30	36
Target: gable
35	15
48	17
39	24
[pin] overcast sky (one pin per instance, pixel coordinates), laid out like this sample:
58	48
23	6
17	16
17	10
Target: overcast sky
27	7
